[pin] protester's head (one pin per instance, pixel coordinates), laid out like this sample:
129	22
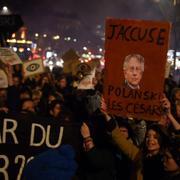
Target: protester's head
124	131
3	97
178	108
62	82
54	96
44	80
171	158
156	139
55	108
133	70
37	78
36	96
27	105
25	93
16	80
175	95
3	93
124	128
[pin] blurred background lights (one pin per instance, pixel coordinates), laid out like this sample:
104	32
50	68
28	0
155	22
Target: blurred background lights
14	49
50	62
100	49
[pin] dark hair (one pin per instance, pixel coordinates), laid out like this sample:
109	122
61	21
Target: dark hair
163	136
23	101
53	104
26	90
173	93
124	123
174	149
62	76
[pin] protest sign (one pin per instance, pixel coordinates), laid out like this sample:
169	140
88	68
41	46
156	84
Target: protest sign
3	79
8	56
33	67
135	59
22	137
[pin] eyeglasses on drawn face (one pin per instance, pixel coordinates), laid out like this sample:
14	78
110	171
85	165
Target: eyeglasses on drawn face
134	69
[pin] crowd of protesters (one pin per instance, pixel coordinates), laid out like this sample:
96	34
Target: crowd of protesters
114	148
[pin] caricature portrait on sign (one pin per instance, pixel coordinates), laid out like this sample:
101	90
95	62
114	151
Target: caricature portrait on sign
133	68
135	60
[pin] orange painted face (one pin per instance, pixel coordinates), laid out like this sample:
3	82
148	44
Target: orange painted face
133	72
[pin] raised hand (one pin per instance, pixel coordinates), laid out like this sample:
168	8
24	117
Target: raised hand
104	109
166	105
85	132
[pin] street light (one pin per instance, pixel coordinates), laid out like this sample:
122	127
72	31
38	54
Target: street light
5	11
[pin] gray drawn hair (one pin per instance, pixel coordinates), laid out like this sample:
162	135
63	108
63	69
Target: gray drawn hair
137	56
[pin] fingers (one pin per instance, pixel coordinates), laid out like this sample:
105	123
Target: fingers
166	105
103	105
85	132
165	102
84	126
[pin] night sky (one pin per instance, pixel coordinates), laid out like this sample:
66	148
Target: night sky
81	19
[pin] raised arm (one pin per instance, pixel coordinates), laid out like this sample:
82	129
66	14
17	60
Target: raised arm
167	107
87	140
123	144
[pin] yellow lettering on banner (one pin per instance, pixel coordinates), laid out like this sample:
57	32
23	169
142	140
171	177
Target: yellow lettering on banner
34	126
22	165
61	129
3	169
10	130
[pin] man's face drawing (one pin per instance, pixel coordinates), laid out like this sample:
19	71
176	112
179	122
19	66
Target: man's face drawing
133	72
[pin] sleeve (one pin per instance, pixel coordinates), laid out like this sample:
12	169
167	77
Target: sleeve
126	146
100	158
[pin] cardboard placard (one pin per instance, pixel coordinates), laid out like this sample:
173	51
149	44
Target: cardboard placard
33	67
135	59
23	137
8	56
3	79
